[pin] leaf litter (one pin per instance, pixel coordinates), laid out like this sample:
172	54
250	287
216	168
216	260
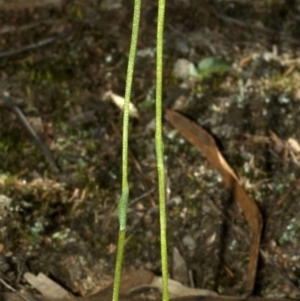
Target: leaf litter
58	221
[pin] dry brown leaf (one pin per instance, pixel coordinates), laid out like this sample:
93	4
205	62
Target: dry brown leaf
131	281
204	142
48	287
176	289
99	297
136	280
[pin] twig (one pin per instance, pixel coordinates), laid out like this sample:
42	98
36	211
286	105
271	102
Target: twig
9	102
8	5
13	290
246	25
31	46
137	199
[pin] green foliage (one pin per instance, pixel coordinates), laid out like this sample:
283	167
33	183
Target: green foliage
123	202
160	149
210	66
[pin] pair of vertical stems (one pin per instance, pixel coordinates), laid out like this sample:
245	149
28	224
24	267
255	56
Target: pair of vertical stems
123	202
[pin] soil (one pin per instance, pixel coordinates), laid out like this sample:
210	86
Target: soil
64	223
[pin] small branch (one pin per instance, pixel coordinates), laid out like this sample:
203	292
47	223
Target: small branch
9	5
264	30
13	290
123	202
159	147
33	46
10	103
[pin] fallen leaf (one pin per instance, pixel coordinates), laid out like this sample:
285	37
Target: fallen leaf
205	143
48	287
16	297
176	289
137	280
131	280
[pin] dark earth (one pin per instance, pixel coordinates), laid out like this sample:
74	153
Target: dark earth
59	217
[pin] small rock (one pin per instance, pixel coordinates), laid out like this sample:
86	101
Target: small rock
189	242
182	68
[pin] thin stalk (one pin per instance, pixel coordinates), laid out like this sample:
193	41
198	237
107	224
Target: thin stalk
160	148
123	202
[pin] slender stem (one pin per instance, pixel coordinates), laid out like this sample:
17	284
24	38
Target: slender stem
123	202
159	148
119	263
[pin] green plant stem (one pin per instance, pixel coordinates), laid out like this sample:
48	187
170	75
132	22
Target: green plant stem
119	263
159	148
123	202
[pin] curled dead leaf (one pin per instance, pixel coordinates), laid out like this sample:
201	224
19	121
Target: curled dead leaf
206	144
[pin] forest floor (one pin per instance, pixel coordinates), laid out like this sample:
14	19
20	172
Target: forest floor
58	211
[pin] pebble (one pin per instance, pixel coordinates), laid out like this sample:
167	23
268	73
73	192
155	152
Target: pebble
189	242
